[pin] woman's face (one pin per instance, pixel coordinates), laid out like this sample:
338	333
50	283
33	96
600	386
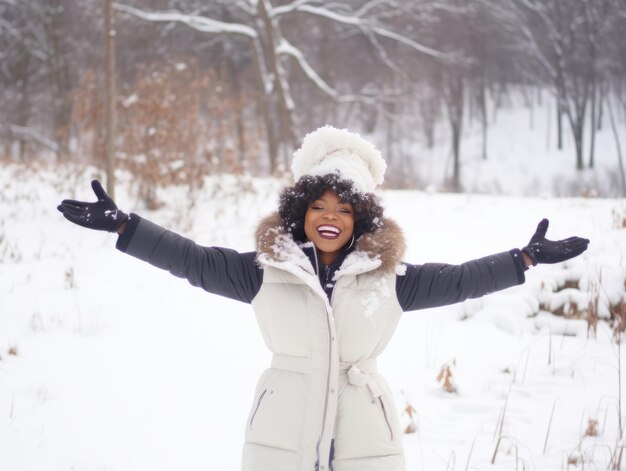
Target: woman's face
329	224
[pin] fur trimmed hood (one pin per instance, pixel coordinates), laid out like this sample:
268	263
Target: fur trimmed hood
379	250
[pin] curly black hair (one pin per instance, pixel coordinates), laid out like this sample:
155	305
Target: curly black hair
295	200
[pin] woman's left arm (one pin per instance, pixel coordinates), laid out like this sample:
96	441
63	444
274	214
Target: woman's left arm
439	284
433	284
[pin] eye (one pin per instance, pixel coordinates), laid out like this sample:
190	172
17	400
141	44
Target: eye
317	207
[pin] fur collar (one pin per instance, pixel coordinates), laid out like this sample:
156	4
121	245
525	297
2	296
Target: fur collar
379	250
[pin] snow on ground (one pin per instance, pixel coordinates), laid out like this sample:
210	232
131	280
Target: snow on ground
120	366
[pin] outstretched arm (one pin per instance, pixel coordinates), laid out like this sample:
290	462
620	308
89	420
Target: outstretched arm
439	284
432	284
217	270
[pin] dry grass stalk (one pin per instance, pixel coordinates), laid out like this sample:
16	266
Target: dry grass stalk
592	428
451	461
410	412
545	443
618	319
574	458
619	218
69	277
444	377
523	360
592	315
500	423
616	459
512	448
469	456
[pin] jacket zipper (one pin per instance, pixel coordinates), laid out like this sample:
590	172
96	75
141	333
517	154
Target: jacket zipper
258	404
382	406
330	348
326	273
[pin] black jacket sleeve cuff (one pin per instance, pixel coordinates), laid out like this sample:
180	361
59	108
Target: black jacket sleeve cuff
520	266
124	239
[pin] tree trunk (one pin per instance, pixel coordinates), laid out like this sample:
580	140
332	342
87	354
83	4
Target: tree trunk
579	150
109	34
390	138
592	127
618	147
456	154
455	101
233	78
263	104
24	109
60	81
559	120
577	131
279	84
482	97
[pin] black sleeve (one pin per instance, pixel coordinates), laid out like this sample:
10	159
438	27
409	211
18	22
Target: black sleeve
438	284
217	270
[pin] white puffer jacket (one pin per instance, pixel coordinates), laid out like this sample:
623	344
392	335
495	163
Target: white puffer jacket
323	383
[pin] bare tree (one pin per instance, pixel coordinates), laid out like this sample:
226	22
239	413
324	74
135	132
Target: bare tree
565	37
284	66
262	27
25	60
109	37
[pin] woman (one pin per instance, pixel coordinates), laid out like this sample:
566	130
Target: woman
328	287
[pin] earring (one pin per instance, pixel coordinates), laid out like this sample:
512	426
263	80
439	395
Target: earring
350	244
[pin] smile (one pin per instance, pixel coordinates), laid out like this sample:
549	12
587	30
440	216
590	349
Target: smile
327	231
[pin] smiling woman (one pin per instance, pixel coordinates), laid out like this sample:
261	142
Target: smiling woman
329	224
328	286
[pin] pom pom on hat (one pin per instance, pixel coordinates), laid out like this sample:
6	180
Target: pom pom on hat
331	150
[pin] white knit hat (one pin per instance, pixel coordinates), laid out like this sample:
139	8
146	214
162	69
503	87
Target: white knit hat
331	150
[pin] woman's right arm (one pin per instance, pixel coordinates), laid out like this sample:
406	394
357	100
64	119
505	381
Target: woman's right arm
217	270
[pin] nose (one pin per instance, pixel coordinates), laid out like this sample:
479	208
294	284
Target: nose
330	215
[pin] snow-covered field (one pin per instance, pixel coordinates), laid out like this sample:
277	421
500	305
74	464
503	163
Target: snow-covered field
109	364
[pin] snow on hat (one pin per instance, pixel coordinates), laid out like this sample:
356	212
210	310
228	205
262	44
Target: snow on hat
331	150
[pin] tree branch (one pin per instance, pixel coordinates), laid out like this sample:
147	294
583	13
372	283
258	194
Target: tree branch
285	48
34	135
303	7
200	23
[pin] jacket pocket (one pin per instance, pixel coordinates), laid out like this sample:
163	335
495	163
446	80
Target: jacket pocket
277	412
385	417
366	426
256	409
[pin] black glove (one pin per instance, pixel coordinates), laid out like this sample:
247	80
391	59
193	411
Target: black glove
103	215
542	250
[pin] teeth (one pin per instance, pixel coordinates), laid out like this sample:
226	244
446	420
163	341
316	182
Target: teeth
332	229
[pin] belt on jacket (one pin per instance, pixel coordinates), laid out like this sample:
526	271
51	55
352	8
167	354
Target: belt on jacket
360	373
